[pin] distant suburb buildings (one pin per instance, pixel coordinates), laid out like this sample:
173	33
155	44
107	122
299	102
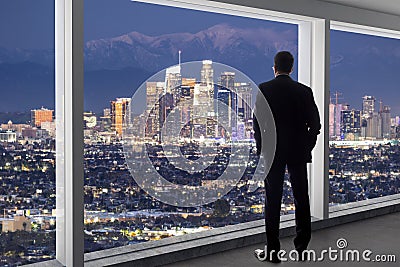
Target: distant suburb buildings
41	125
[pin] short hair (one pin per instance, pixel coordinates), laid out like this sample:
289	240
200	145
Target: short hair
284	61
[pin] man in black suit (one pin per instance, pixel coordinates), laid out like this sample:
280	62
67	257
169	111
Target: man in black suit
297	125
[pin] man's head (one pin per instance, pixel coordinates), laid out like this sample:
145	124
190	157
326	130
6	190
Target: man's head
283	63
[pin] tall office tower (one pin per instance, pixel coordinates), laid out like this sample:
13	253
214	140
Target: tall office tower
227	81
166	106
363	127
368	106
120	114
350	124
223	112
334	120
244	100
105	120
41	115
203	109
173	81
386	123
207	74
335	110
169	117
186	107
154	91
245	112
374	126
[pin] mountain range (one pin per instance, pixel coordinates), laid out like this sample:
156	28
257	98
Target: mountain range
222	43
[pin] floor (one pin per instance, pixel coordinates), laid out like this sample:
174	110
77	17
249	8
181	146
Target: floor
381	235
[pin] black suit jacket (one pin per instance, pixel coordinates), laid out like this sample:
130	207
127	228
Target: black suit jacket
296	118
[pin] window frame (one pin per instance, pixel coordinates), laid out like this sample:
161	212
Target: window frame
69	132
377	32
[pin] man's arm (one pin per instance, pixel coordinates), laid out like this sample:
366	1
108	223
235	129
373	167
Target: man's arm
313	120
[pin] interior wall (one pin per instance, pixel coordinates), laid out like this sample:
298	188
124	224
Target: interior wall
325	10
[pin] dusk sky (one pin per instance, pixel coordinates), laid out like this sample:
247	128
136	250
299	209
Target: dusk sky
359	63
33	21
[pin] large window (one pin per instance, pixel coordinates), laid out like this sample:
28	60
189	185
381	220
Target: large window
364	160
27	133
198	56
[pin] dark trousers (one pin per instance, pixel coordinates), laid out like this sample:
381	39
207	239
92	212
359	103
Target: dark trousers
273	200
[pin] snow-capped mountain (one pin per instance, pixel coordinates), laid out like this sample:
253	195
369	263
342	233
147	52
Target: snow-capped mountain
222	43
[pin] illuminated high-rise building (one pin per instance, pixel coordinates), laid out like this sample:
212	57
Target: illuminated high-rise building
363	128
374	126
207	74
173	81
105	120
244	109
154	91
368	106
224	112
244	100
386	123
186	107
227	82
335	110
350	124
203	109
166	106
120	113
335	120
41	115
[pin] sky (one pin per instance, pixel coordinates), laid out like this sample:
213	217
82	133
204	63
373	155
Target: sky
361	64
29	24
368	65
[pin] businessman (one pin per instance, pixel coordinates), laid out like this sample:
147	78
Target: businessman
297	125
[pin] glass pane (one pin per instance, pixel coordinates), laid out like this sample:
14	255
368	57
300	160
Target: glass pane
363	117
171	60
27	135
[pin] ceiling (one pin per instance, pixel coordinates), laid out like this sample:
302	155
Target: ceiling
385	6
